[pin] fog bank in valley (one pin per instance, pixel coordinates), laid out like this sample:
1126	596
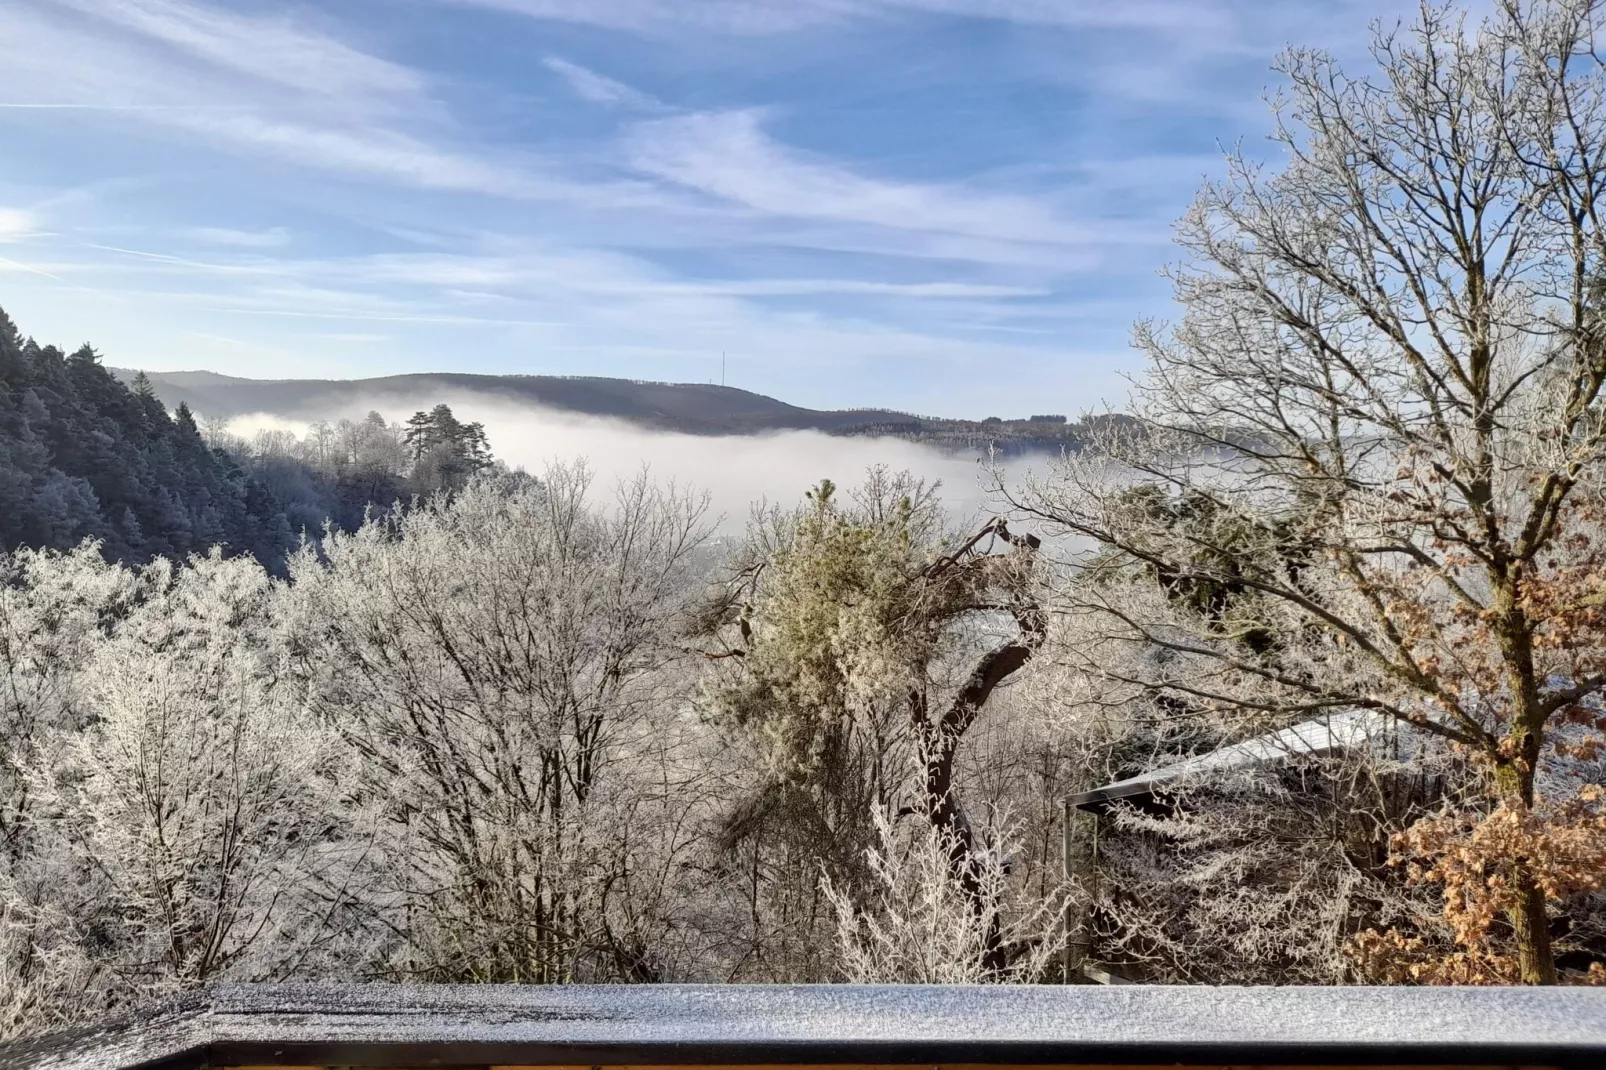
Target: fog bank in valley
736	471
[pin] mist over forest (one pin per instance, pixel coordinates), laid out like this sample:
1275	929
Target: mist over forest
1292	674
738	472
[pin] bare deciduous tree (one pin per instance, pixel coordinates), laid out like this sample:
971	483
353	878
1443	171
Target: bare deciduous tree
186	820
500	662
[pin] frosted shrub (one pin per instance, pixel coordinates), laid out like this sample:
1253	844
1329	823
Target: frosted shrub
922	926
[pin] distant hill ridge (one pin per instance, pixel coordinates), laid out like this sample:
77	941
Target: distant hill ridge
691	408
686	408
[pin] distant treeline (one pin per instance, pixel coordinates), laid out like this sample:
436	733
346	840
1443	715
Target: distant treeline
1036	434
85	456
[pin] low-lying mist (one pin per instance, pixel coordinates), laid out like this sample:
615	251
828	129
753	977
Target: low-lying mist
736	471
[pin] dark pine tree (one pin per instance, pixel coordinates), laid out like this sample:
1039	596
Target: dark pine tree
84	456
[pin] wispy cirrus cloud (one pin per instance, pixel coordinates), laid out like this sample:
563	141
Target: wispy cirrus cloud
709	186
762	17
1192	25
568	300
728	155
267	88
756	17
271	238
179	64
271	49
912	193
599	88
540	272
372	151
552	275
1168	16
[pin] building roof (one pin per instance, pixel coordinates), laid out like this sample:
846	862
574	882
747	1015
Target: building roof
612	1025
1323	735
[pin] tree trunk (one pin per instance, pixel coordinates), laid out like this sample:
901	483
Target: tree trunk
943	811
1514	776
1530	921
1535	964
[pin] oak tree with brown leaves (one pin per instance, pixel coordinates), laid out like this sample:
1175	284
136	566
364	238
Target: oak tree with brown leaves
1383	409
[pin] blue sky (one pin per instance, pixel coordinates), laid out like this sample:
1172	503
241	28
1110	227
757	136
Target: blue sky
946	206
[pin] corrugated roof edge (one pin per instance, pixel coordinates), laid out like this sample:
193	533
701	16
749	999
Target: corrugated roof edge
377	1025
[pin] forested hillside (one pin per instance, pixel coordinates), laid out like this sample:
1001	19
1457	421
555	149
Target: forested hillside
84	455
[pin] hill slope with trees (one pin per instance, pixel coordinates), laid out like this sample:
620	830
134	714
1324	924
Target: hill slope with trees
85	454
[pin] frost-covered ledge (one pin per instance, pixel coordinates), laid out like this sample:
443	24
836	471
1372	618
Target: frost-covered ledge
603	1026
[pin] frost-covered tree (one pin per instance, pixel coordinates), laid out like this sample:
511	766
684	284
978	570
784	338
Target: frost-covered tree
446	451
55	612
503	664
855	635
179	817
204	805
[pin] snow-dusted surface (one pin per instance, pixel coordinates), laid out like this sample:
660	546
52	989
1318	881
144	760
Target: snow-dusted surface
674	1023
